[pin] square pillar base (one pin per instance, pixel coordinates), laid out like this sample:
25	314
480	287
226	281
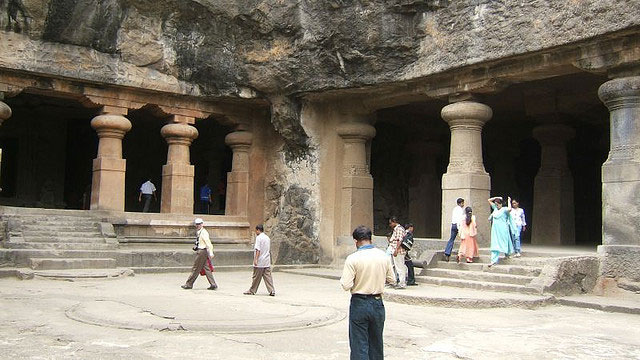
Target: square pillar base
107	185
177	189
475	190
237	200
553	211
620	261
620	216
357	203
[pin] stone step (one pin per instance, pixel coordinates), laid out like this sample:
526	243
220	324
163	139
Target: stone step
55	239
60	234
177	240
59	227
74	274
71	263
479	276
538	253
478	285
525	270
59	246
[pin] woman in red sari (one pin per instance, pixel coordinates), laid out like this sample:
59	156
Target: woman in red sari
468	234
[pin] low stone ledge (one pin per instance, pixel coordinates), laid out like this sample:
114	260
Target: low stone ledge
568	275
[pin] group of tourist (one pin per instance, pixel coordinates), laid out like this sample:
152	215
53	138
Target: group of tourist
507	225
400	243
367	270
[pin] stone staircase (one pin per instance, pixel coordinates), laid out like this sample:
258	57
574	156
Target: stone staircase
75	244
516	275
57	240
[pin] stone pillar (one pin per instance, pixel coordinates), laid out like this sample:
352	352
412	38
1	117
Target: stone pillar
424	188
621	180
357	184
177	174
553	211
107	186
466	177
237	200
5	110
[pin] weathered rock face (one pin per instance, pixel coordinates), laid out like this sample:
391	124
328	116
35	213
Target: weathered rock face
288	47
291	212
568	276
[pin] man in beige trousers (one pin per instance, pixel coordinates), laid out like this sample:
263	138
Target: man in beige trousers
261	263
204	251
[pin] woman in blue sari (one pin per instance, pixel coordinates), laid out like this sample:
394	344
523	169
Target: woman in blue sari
500	229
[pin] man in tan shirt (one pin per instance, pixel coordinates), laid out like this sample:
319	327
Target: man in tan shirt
204	251
364	274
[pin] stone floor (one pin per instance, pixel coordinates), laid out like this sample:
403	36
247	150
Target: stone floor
150	317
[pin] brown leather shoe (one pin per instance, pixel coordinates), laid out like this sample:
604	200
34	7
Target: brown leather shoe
248	293
186	287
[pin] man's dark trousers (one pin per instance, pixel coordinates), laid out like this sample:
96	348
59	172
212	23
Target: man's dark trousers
147	202
454	233
366	323
411	276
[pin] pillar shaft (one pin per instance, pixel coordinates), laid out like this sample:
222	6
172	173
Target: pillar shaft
553	208
107	187
177	174
621	180
357	184
466	177
237	196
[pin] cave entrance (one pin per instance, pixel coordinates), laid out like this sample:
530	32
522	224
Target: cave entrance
212	160
545	146
409	154
48	147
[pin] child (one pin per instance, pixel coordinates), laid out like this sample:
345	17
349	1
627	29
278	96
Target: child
407	243
468	234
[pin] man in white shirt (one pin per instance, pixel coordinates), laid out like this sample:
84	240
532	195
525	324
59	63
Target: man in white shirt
261	263
147	190
456	217
398	252
364	275
204	252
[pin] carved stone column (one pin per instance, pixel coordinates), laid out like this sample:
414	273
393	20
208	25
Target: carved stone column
553	208
621	180
466	177
177	174
357	183
107	187
5	110
237	200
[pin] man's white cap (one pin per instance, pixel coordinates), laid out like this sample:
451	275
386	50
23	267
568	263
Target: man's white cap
198	221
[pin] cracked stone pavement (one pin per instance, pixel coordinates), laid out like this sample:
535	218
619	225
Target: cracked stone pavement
307	319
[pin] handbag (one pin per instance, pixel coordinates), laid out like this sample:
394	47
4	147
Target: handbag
208	264
407	242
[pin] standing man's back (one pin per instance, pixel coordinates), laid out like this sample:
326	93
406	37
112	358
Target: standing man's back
364	275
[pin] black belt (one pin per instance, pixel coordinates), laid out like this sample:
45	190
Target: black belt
366	295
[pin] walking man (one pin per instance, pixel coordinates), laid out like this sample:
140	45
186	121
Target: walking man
456	217
147	190
205	199
204	251
261	263
398	252
364	275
